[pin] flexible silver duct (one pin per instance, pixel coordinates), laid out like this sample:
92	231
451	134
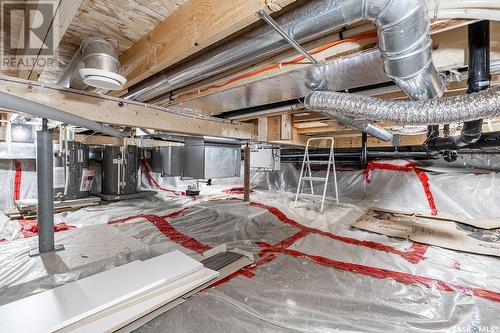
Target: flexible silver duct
95	64
403	28
15	103
456	109
364	126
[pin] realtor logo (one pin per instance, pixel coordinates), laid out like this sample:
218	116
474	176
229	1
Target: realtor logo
28	34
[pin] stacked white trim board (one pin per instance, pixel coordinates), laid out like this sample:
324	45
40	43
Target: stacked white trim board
109	300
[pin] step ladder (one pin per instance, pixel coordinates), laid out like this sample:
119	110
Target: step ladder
307	163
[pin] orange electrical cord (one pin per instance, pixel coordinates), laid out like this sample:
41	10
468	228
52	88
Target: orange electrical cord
258	71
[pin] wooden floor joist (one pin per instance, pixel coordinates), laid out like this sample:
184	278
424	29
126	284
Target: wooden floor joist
191	28
115	111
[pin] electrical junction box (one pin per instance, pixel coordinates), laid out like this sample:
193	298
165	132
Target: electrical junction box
265	158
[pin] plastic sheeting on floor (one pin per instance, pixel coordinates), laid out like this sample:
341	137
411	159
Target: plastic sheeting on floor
314	273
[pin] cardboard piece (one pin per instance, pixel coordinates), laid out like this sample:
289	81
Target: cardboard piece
438	232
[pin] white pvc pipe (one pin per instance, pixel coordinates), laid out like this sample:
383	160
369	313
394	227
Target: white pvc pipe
447	4
466	13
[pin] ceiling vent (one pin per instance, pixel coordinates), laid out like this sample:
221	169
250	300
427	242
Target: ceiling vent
95	64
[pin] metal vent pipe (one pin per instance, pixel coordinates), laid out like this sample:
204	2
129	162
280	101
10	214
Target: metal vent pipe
404	40
95	64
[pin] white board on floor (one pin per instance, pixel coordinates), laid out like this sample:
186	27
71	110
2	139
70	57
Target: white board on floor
118	317
56	308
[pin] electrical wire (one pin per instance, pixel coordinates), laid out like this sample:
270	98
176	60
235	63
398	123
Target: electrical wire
443	9
88	136
264	69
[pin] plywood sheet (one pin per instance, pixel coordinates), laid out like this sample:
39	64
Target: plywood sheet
443	233
122	22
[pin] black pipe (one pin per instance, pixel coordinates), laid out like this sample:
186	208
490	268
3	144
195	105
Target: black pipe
487	140
479	79
446	130
364	149
432	131
357	156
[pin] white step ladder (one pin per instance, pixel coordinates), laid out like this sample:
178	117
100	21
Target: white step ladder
307	162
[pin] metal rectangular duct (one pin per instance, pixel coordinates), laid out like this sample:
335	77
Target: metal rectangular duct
167	160
348	72
204	160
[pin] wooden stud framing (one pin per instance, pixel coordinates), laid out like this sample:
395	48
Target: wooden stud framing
286	126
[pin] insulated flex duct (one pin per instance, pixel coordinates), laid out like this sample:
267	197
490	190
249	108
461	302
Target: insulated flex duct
404	40
456	109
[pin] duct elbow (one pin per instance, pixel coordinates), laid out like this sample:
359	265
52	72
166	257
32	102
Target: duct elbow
405	44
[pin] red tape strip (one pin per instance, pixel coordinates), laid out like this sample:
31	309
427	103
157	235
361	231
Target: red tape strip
414	255
246	271
408	167
396	276
147	172
29	228
236	190
168	230
17	180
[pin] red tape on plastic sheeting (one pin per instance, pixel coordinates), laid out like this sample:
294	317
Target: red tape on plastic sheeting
17	180
408	167
414	255
29	228
168	230
406	278
177	213
236	190
147	172
245	271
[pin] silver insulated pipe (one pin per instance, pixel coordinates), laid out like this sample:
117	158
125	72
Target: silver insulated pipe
404	40
363	125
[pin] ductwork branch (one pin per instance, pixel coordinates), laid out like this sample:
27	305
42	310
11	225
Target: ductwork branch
404	40
364	126
456	109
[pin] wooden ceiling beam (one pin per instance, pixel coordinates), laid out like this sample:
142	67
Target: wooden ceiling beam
192	27
115	111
